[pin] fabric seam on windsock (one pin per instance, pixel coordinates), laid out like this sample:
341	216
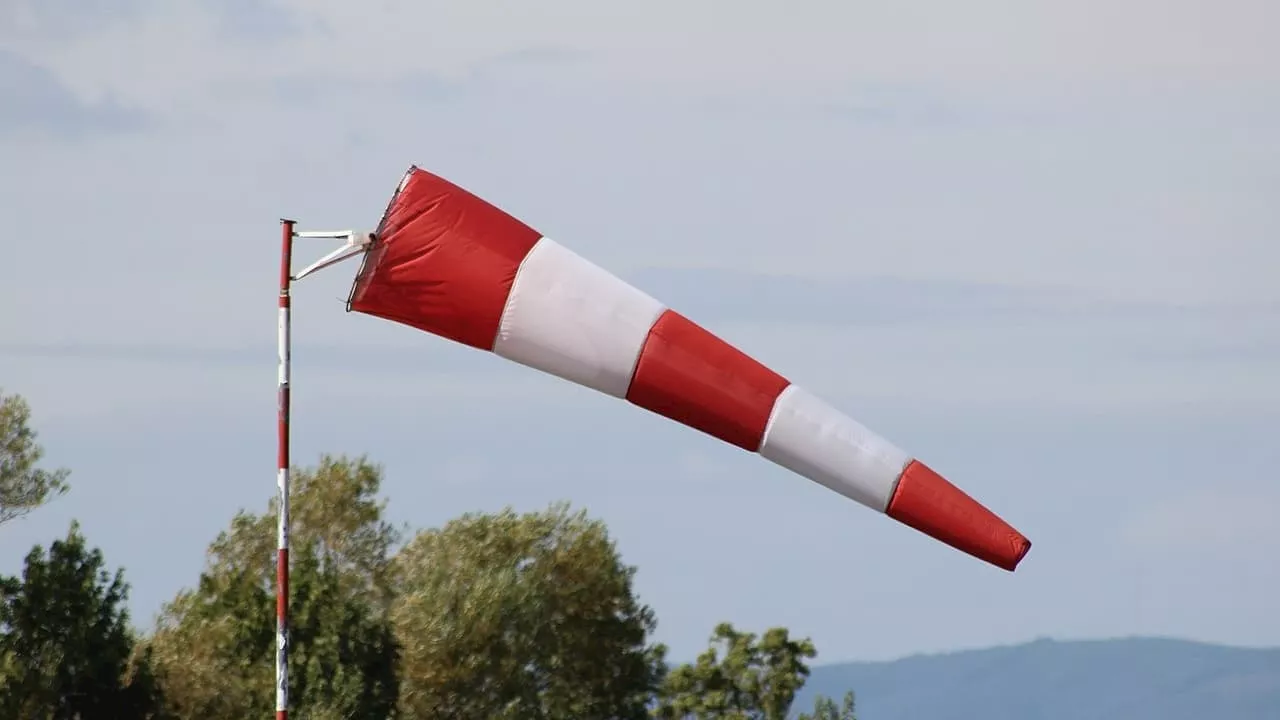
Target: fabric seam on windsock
466	270
515	283
773	418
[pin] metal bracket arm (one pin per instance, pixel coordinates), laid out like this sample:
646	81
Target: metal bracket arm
355	242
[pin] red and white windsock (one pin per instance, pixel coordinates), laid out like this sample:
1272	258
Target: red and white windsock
450	263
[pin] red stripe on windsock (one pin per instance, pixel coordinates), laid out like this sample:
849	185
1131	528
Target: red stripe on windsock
927	502
693	377
444	263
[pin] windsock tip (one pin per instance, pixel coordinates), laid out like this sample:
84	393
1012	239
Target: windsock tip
929	503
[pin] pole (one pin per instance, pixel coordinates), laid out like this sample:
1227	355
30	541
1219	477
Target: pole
282	475
355	243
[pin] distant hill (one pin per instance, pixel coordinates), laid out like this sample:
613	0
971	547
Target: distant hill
1123	679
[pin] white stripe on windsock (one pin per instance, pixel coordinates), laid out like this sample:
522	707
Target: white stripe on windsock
807	436
568	317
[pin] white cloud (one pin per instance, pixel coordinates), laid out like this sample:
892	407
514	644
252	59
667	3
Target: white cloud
37	105
1119	147
175	50
925	347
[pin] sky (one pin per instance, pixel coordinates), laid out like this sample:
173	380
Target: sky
1034	244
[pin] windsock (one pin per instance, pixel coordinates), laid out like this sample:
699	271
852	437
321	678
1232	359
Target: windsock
452	264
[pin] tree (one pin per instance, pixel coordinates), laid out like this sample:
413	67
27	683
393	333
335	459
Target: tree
334	512
742	677
66	648
739	677
522	617
24	485
215	644
824	708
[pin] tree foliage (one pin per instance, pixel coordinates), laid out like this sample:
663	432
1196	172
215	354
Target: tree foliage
500	616
215	644
739	677
24	485
335	514
66	648
824	708
523	616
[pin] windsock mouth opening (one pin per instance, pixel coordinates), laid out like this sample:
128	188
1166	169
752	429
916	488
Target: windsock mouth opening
369	260
373	252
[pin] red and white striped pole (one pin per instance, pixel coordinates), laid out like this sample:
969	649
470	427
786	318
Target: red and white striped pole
354	244
282	475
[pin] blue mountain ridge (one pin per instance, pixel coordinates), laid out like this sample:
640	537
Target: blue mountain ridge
1119	679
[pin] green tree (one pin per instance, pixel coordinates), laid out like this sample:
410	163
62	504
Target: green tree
824	708
66	648
214	645
739	677
522	617
24	485
742	677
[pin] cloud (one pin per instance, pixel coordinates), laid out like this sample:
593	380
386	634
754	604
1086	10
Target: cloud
905	105
37	103
744	296
318	90
60	20
255	21
923	345
1238	513
1104	54
728	297
816	45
